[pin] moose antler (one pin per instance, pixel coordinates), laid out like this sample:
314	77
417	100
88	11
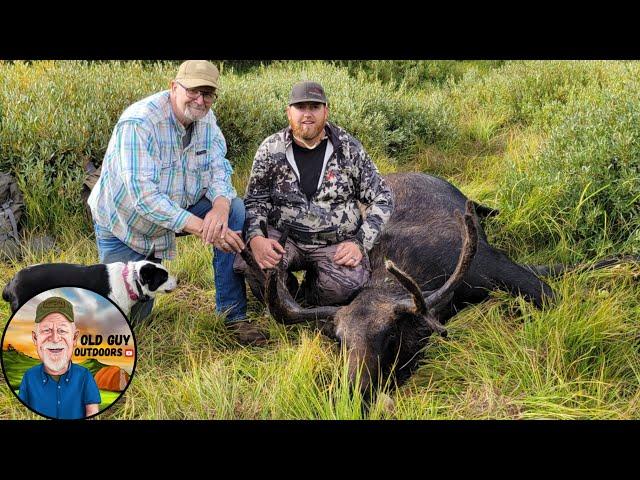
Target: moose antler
285	309
469	248
427	307
410	284
418	298
248	257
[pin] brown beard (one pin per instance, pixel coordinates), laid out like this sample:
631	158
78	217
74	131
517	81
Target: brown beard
297	131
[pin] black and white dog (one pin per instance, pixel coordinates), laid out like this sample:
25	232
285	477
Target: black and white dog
124	283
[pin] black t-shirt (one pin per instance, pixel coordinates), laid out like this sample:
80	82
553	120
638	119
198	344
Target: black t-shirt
310	166
186	140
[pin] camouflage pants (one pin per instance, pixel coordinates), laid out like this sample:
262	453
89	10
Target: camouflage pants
325	282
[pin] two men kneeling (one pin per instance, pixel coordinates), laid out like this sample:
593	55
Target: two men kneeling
165	173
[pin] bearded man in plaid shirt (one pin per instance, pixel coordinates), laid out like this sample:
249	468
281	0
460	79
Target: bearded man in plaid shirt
165	173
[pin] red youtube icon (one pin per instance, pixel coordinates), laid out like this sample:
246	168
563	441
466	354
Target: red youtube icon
128	353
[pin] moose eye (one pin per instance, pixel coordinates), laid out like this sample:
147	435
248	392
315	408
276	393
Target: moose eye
391	339
383	340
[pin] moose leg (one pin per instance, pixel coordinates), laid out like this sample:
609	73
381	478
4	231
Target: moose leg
498	269
559	269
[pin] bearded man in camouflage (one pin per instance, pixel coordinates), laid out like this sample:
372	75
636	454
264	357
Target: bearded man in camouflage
309	178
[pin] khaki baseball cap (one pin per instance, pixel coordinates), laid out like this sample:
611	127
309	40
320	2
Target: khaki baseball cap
54	305
307	92
198	73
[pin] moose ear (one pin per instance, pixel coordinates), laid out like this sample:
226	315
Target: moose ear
401	309
151	255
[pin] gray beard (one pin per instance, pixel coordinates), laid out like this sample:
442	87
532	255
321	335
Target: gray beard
55	366
193	115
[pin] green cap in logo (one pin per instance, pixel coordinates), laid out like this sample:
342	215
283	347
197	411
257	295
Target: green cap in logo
54	305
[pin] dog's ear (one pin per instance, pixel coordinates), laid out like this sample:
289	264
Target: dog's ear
153	276
151	255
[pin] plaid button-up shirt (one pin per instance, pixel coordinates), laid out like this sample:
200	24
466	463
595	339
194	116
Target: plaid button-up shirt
148	179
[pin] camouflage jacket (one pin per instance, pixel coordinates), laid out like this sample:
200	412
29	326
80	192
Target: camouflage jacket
332	215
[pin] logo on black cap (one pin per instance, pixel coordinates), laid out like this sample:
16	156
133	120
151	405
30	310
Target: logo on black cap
307	92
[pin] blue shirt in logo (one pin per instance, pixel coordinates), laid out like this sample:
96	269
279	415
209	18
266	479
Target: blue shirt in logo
65	398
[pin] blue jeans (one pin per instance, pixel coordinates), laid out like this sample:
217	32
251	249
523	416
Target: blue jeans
231	297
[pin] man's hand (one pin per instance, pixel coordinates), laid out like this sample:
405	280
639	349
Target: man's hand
348	254
267	251
91	409
232	242
214	226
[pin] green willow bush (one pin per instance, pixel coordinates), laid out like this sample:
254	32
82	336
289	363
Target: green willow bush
56	116
418	74
388	121
533	92
584	183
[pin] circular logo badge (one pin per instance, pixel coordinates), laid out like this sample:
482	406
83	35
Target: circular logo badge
68	353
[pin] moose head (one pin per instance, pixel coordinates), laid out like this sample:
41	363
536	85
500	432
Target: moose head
388	322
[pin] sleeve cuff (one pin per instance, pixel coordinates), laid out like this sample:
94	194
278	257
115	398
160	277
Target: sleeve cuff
358	241
181	221
252	234
212	195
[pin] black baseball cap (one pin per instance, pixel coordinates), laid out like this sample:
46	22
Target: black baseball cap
307	92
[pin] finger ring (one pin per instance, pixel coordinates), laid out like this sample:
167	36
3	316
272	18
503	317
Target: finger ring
354	258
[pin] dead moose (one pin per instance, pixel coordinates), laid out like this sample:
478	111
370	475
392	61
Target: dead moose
430	262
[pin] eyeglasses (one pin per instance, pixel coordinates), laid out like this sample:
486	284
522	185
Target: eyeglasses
194	93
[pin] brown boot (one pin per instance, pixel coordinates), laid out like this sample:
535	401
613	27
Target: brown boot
247	333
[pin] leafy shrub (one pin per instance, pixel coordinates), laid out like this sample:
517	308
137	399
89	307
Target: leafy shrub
55	116
388	121
416	74
583	186
533	92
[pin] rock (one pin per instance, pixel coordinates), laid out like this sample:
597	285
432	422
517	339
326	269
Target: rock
40	244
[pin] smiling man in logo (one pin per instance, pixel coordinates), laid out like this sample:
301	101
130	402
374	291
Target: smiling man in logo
57	387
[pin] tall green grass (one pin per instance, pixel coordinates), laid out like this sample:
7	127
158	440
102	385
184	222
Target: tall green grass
502	359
